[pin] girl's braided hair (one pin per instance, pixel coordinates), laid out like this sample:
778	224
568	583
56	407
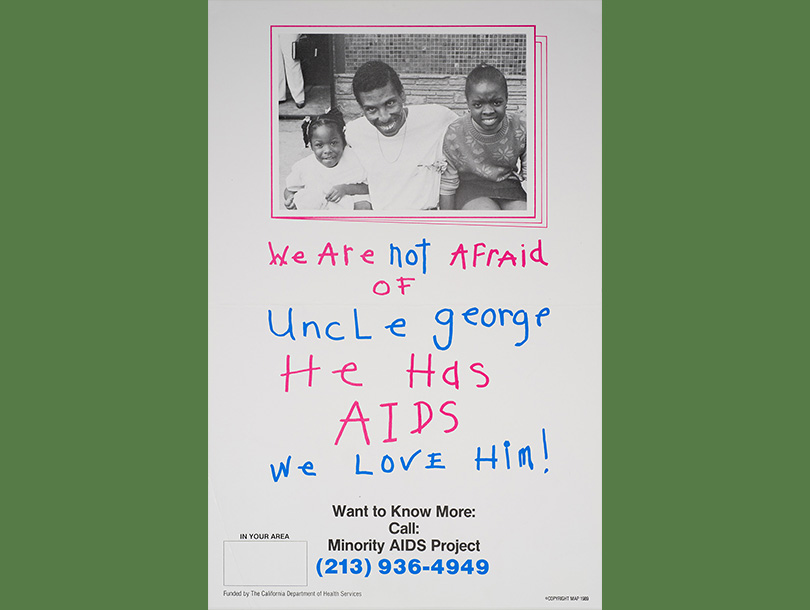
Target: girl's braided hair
333	116
485	72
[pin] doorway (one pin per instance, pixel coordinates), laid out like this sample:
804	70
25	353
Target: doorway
314	51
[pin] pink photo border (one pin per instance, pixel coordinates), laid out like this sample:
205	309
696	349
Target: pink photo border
540	217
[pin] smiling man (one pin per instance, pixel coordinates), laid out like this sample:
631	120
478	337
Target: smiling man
400	146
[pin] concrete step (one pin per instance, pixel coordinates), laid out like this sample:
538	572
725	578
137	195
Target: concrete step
317	102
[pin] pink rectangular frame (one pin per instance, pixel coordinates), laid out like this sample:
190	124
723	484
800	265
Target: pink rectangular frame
540	217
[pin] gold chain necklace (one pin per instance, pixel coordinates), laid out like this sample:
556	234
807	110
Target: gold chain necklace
401	146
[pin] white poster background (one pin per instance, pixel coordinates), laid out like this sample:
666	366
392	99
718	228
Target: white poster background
539	531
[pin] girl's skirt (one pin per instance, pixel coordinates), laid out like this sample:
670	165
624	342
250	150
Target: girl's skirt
471	187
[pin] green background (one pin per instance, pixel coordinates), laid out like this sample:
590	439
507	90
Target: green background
104	433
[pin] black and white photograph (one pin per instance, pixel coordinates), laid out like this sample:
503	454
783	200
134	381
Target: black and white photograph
412	122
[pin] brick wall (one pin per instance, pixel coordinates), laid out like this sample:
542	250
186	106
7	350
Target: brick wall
437	53
447	90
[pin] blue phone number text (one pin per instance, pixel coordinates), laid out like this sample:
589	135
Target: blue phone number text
328	566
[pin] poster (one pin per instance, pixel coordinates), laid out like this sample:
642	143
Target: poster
404	402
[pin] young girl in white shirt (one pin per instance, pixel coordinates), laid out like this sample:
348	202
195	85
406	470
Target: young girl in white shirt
332	178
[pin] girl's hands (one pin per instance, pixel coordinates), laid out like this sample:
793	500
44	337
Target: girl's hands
336	193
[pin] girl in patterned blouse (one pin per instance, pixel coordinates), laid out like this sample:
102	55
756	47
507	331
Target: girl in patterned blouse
485	149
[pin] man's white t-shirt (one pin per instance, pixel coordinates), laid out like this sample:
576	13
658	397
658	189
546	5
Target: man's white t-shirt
404	171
